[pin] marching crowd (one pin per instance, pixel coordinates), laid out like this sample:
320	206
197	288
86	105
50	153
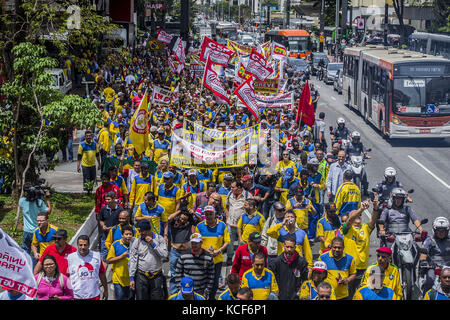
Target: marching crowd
151	212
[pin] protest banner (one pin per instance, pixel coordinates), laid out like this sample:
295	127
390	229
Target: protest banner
219	54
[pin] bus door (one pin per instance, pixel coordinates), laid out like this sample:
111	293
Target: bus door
369	93
356	93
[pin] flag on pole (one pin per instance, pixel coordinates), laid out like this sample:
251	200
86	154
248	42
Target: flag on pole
246	93
139	129
212	82
305	109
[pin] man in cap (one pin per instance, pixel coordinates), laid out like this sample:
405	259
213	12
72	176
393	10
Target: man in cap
250	221
168	194
328	226
141	184
191	188
348	195
60	250
160	146
243	257
285	183
290	270
302	207
187	291
151	211
391	272
224	189
375	289
271	243
145	264
197	264
260	193
310	289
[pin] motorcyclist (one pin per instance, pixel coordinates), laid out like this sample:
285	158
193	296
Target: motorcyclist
396	217
341	132
385	187
356	148
437	254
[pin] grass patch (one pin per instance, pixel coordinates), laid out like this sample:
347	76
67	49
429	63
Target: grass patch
69	211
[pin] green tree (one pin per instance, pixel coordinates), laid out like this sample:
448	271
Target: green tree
35	115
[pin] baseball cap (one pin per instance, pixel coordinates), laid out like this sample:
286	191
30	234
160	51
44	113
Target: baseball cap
196	237
144	165
187	285
289	173
330	206
192	172
385	250
247	177
228	176
60	233
255	237
160	130
299	192
153	128
168	174
210	209
320	266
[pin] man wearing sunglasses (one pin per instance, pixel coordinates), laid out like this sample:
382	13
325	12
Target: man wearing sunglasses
60	250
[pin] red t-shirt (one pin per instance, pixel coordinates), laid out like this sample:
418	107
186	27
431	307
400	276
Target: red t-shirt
100	194
243	259
61	258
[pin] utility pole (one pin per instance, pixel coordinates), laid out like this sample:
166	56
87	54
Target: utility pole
322	24
336	31
344	18
386	24
288	14
184	20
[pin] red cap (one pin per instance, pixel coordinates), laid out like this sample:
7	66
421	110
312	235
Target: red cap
385	250
247	177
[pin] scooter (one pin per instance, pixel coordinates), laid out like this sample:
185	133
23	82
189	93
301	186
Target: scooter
405	255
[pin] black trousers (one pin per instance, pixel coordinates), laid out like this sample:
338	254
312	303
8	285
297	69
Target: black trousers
89	174
149	289
217	272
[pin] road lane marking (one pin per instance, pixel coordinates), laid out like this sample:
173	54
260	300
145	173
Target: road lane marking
333	98
431	173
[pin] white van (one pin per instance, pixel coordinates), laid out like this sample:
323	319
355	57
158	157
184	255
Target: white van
60	81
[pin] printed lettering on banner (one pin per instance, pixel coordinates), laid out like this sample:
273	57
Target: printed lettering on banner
258	66
164	36
162	96
218	53
246	94
212	82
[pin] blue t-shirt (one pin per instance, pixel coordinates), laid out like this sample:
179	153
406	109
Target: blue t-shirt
30	210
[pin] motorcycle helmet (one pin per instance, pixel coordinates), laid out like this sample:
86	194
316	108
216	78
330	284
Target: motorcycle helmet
356	134
390	172
340	121
398	193
441	223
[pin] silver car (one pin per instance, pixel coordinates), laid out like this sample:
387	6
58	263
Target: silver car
337	83
331	72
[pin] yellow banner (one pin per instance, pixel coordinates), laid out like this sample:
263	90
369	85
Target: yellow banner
241	49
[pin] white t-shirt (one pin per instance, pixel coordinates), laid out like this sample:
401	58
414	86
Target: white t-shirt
84	274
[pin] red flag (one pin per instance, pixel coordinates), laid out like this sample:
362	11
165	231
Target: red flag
246	93
164	36
212	82
258	66
219	54
305	109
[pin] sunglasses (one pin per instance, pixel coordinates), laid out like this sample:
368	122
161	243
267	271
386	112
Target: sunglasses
327	296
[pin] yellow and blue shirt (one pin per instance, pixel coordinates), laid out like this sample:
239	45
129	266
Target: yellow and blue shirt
139	187
344	267
157	214
120	274
179	296
115	233
308	290
223	194
105	140
348	198
261	286
301	213
366	293
302	246
226	295
168	198
120	182
362	241
43	240
194	190
160	148
214	237
88	153
249	224
327	230
286	185
205	177
391	278
435	295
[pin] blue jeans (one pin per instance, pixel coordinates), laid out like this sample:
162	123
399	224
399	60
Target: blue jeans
173	258
70	149
103	250
26	245
121	293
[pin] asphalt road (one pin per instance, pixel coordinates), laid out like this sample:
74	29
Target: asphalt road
422	165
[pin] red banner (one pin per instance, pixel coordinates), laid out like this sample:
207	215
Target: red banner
164	37
258	66
305	111
218	53
179	51
246	94
212	82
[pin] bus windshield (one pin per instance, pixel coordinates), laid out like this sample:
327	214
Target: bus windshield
298	44
417	95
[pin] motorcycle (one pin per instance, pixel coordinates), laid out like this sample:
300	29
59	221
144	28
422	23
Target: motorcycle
434	263
357	165
386	202
343	142
405	255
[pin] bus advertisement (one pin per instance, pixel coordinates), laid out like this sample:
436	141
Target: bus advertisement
402	93
298	42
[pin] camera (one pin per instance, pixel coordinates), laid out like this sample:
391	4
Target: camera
35	192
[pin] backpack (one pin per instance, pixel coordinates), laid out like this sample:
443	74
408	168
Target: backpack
60	278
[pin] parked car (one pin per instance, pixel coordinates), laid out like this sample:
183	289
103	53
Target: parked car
297	65
331	72
315	58
337	83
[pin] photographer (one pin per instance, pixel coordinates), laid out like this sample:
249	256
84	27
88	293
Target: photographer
31	205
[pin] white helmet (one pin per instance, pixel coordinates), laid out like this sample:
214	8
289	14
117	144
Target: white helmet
441	223
356	134
398	193
340	121
390	172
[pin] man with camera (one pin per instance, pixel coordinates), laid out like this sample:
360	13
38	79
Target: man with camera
31	205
